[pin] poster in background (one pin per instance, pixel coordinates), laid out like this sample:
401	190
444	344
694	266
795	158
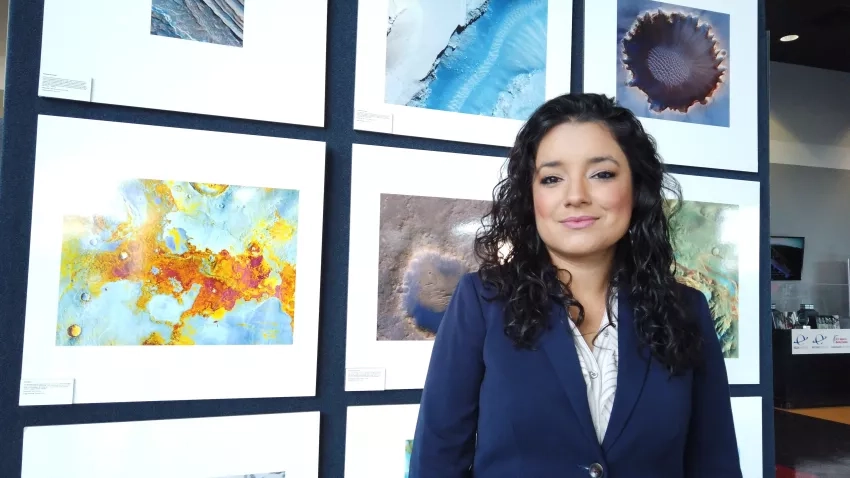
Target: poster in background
379	440
687	68
414	215
403	231
459	70
283	445
171	264
247	59
747	413
716	235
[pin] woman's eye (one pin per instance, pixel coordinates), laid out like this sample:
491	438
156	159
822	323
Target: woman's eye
604	175
548	180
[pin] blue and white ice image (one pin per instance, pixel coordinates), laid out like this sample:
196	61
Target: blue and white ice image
481	57
209	21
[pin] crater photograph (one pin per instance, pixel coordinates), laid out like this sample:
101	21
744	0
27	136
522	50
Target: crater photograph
426	245
673	62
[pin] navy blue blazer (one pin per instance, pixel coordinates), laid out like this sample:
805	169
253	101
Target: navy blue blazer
490	410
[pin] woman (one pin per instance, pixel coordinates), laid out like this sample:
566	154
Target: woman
577	353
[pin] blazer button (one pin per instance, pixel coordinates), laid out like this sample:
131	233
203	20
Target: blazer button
595	470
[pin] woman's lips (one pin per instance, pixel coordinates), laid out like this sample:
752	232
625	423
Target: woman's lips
579	222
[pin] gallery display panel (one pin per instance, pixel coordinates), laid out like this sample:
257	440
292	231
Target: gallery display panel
379	440
414	216
255	60
717	252
687	68
171	264
459	70
747	413
284	445
414	213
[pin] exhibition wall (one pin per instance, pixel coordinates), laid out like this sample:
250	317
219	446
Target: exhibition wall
809	125
264	186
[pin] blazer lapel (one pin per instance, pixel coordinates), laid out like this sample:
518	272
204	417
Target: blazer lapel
561	350
632	371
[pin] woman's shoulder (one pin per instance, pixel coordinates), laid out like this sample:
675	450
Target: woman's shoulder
691	297
472	288
473	283
696	305
688	293
470	285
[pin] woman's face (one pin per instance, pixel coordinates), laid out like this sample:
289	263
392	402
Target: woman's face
582	190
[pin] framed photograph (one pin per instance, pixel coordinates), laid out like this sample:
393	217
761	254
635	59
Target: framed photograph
747	413
412	240
687	68
469	71
414	215
249	59
193	253
284	445
716	234
379	440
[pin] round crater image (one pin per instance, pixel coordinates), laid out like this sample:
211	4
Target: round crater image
673	62
674	59
425	247
429	282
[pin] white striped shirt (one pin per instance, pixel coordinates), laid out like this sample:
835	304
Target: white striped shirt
599	368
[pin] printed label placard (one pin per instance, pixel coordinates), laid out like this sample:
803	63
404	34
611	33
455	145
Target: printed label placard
820	341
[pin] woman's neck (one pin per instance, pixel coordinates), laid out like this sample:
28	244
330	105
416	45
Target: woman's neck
588	278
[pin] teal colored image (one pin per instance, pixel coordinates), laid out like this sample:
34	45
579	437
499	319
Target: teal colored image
219	22
163	262
408	449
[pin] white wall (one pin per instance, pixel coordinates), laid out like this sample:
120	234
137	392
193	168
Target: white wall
812	203
810	126
809	116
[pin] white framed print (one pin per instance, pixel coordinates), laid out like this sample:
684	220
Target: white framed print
414	215
379	440
171	264
283	445
460	70
716	234
747	414
410	220
687	68
251	59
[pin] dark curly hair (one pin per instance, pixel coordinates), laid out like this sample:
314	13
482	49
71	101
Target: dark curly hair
527	280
